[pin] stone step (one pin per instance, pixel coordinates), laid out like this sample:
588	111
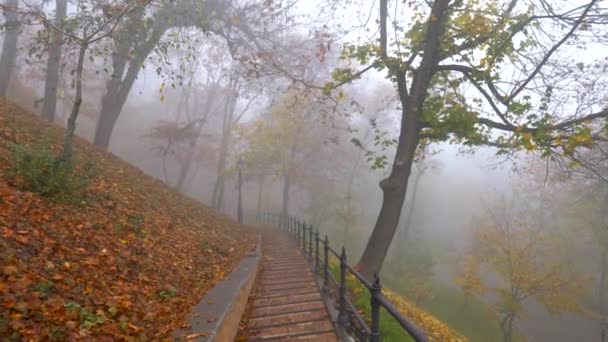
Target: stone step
287	299
291	330
304	290
286	308
268	288
296	317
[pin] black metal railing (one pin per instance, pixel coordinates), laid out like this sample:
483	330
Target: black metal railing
348	317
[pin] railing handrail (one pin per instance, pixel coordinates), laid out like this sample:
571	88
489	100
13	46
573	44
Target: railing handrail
298	231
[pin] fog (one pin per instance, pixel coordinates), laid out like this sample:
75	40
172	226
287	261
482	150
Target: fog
250	82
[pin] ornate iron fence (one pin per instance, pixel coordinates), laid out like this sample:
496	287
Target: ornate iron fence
349	318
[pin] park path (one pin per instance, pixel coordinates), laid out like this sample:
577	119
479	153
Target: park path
287	305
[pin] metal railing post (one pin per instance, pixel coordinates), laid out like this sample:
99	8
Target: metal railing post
326	265
342	318
304	238
298	228
375	292
310	243
316	263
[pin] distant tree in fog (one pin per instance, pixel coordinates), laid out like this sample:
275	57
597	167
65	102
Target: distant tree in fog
529	261
247	28
469	279
51	85
12	27
86	28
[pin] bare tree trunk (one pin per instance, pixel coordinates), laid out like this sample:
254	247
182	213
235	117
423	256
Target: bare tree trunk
68	145
9	47
260	195
218	189
506	325
395	186
286	186
412	205
183	174
349	208
49	105
118	88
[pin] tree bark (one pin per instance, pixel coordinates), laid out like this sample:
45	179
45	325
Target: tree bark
68	145
9	46
49	105
395	186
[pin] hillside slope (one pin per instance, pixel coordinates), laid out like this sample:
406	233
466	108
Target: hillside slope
127	262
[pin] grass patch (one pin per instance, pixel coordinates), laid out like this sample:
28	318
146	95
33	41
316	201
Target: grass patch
36	168
476	321
390	329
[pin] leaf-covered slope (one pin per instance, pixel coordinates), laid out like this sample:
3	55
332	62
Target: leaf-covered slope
127	262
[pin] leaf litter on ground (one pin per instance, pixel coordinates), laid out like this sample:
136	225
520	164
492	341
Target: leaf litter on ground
127	262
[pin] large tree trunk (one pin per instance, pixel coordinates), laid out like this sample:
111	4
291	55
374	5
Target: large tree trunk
395	186
118	88
49	105
9	47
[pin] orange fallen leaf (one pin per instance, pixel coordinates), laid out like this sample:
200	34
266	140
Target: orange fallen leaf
9	270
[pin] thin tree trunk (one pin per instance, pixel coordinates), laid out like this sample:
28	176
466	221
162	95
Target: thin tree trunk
218	189
258	208
49	105
183	174
602	299
68	146
286	186
9	46
412	205
395	186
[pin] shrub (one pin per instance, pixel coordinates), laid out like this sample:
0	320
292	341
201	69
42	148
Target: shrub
37	169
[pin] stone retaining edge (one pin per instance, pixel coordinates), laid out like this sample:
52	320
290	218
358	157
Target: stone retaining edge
218	315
